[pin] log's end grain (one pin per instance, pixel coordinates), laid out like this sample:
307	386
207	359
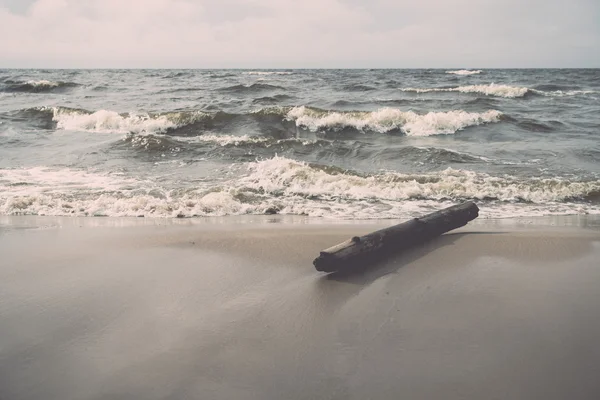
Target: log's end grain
322	264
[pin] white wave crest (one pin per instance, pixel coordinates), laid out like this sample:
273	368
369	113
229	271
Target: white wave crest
112	122
389	119
489	90
43	84
465	72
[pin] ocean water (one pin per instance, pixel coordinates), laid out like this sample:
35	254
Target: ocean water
340	144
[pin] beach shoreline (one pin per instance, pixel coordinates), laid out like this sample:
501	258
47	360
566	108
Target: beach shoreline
232	307
586	221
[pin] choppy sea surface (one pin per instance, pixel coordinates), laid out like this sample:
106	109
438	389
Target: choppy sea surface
342	144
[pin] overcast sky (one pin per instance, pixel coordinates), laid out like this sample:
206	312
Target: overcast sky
299	33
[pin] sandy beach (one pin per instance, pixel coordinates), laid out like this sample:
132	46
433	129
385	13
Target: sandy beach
232	308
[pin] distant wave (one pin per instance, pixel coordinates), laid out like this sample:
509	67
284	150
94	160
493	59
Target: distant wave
505	91
488	90
268	73
272	99
556	90
563	93
350	104
289	187
254	88
465	72
357	87
390	119
40	86
179	74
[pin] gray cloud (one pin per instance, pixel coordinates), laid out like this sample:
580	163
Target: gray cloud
17	6
290	33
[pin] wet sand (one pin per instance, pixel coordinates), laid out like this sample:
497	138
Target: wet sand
233	309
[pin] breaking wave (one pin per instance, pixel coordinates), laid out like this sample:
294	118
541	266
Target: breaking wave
281	175
390	119
290	187
39	86
465	72
113	122
193	123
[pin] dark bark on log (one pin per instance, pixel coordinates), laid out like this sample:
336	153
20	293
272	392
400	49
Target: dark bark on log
395	238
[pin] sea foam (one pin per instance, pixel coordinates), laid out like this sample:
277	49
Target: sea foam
290	187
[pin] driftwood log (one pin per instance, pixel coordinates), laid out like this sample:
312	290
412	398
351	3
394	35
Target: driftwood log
395	238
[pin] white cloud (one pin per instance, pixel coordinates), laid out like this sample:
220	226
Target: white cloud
291	33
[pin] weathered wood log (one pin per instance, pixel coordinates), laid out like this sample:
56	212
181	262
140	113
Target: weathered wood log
395	238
